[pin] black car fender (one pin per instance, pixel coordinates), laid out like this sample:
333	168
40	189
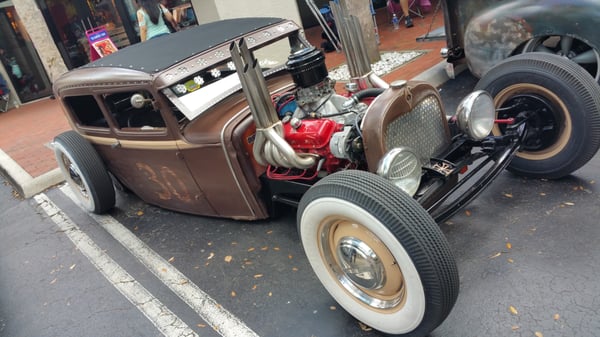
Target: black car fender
501	30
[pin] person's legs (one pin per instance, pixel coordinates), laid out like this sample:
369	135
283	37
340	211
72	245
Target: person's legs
407	20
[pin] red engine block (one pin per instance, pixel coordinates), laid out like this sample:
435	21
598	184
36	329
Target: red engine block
313	136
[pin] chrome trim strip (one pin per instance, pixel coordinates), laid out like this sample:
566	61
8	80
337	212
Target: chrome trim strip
141	144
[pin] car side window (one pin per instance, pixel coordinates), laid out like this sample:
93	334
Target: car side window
86	111
135	111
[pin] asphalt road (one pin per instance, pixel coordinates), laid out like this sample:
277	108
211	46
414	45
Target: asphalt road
526	250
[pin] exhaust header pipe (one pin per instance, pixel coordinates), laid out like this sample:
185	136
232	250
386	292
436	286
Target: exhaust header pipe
269	145
353	44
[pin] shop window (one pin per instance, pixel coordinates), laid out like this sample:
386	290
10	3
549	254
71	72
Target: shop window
70	22
20	60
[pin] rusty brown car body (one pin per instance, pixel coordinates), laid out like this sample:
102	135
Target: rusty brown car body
233	118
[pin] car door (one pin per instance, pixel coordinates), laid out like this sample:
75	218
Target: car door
144	154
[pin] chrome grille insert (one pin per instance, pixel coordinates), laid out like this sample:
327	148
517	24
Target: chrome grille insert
422	129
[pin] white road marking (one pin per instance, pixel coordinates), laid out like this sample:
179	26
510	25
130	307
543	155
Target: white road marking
165	321
221	320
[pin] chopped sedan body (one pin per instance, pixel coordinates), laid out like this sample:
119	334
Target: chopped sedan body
233	118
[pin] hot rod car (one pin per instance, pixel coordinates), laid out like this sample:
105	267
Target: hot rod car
235	117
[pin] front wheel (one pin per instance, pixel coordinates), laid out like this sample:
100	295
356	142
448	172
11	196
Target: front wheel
562	104
378	253
84	172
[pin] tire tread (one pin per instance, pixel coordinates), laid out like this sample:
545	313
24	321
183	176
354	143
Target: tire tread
563	73
92	168
400	212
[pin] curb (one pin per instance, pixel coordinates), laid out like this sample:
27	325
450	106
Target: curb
27	186
23	182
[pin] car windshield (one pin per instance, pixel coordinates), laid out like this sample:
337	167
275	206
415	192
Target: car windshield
205	88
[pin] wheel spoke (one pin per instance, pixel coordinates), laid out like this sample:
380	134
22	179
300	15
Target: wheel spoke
588	57
566	43
569	47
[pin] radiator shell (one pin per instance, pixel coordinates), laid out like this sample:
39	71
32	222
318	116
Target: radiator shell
411	116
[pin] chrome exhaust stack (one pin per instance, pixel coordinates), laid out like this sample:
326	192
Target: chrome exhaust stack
353	43
269	145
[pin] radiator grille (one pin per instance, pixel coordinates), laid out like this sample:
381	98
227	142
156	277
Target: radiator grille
422	129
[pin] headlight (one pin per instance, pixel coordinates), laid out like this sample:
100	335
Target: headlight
402	167
475	115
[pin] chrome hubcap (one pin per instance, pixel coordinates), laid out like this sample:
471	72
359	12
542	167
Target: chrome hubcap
75	177
360	263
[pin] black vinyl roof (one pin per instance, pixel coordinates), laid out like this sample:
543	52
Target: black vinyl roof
159	53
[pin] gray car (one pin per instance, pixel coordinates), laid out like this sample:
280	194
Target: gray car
484	33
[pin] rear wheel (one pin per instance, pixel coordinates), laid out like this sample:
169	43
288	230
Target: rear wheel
378	253
84	172
572	48
562	103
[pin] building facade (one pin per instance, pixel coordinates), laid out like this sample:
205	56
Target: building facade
42	39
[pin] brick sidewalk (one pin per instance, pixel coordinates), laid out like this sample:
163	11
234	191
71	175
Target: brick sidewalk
26	131
403	39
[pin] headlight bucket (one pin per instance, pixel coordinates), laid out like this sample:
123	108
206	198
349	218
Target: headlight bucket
475	115
402	167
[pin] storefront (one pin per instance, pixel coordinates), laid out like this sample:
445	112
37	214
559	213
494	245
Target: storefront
69	20
63	43
42	39
21	65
